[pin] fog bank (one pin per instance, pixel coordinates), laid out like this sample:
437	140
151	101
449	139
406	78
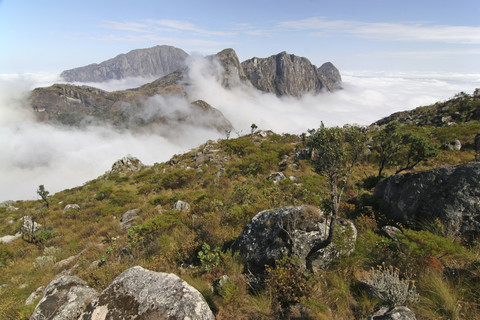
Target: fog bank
60	157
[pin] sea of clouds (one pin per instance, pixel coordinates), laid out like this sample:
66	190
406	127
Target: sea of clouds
34	153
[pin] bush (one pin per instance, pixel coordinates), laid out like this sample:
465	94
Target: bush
286	282
386	285
209	258
177	179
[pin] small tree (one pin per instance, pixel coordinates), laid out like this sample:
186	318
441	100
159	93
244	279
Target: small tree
253	127
406	150
43	194
336	152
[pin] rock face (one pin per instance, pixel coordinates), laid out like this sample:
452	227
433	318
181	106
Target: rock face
449	193
64	299
157	61
234	73
291	231
287	74
142	294
181	205
128	217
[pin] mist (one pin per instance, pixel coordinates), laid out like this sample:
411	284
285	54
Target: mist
59	157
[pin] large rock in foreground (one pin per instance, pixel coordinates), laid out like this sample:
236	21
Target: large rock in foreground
64	299
450	193
291	231
142	294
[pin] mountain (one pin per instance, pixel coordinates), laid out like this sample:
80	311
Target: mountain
462	107
287	74
76	105
157	61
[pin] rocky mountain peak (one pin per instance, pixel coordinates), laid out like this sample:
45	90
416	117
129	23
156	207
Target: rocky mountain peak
156	61
234	72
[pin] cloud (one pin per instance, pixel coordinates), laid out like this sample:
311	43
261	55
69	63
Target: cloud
389	31
60	157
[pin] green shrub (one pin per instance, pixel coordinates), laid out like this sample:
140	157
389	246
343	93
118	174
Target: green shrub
209	258
122	197
178	179
240	146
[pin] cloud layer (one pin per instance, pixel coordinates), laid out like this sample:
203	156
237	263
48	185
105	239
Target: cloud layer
59	157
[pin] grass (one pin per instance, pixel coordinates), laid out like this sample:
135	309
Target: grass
221	205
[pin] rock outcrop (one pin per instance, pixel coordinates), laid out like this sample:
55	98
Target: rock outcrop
127	164
291	231
64	299
234	73
449	193
287	74
157	61
397	313
142	294
128	218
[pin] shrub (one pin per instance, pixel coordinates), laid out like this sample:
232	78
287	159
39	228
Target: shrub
386	285
286	282
209	258
177	179
122	197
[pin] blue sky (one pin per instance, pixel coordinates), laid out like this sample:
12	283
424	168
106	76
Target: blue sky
380	35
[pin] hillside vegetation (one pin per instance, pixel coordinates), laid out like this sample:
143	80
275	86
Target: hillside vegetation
226	183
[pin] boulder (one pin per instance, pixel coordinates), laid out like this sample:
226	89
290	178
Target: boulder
69	207
127	164
29	227
64	299
9	238
181	205
11	208
291	231
477	142
276	177
396	313
448	193
37	294
7	203
454	145
138	293
128	217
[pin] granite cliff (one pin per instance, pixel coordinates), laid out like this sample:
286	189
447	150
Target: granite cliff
157	61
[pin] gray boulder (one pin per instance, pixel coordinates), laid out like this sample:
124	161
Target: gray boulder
69	207
29	227
9	238
397	313
454	145
448	193
37	294
128	217
291	231
126	164
181	205
276	177
138	293
64	299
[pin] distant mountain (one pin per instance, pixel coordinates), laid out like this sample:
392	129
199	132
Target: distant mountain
77	105
157	61
287	74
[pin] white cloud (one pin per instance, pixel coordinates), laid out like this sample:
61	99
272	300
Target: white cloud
389	31
36	153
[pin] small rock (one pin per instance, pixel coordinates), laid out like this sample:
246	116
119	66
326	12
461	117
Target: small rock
454	145
8	239
276	177
181	205
128	217
391	232
69	207
11	208
397	313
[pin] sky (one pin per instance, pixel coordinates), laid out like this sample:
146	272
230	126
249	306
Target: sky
381	35
392	55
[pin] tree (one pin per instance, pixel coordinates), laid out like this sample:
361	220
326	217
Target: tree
336	152
405	150
253	127
418	149
43	194
387	145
